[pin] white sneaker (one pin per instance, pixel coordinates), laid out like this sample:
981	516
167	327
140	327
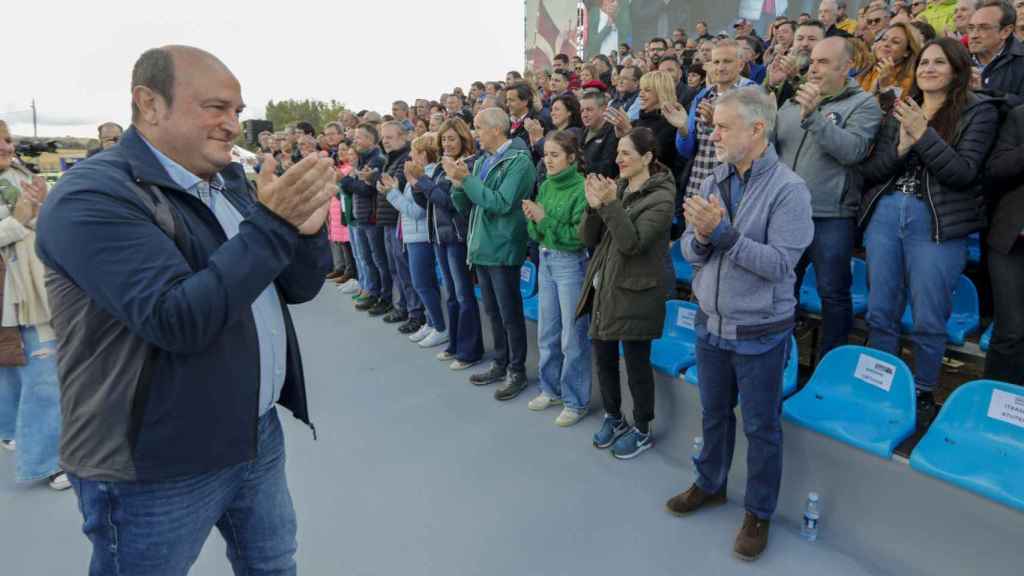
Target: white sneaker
459	365
543	401
8	445
350	287
433	339
445	356
569	416
420	334
60	482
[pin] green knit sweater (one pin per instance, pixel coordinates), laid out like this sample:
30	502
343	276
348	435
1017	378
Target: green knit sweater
564	201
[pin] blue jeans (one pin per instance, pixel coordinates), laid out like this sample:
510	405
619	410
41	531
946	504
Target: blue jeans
757	380
357	255
503	304
398	262
831	252
158	528
30	408
465	336
902	253
375	261
424	280
565	368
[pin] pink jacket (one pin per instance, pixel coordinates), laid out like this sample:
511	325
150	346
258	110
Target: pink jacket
336	231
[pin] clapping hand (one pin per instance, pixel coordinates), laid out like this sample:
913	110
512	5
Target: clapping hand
913	123
703	215
619	120
600	191
533	211
386	183
413	171
366	174
301	195
809	98
676	115
535	129
32	195
456	170
706	112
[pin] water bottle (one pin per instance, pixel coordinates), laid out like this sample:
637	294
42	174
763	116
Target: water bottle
809	529
698	446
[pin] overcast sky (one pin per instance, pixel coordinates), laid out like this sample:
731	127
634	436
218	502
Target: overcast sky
76	60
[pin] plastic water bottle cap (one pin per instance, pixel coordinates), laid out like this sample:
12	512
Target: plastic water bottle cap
813	496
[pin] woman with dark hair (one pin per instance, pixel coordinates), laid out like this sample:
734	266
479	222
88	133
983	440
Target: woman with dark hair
603	66
448	229
565	117
553	222
924	200
626	226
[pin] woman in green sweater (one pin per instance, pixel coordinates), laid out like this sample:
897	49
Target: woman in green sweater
553	222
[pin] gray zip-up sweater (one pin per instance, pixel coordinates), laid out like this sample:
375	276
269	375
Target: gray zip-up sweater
825	147
744	280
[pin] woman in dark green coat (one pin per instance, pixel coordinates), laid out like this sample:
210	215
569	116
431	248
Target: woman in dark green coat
626	225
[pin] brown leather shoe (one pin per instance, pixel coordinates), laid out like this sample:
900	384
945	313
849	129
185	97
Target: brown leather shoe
752	539
692	499
333	275
341	279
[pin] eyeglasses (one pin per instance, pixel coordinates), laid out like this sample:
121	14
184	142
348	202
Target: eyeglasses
874	21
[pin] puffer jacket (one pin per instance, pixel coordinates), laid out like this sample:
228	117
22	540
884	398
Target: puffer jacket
414	216
952	175
387	215
445	224
629	238
364	196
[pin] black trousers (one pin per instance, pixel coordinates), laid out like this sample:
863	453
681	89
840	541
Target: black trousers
1005	359
639	375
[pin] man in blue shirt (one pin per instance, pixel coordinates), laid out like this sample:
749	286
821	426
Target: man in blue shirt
174	337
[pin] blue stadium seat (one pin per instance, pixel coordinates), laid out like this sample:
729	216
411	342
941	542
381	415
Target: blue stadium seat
527	281
528	288
684	271
859	396
810	301
986	338
974	248
966	316
789	378
675	350
977	442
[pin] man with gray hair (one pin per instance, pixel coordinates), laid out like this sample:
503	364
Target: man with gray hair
492	198
746	231
823	133
109	135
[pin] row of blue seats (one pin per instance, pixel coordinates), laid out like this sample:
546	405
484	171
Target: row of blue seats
866	398
964	321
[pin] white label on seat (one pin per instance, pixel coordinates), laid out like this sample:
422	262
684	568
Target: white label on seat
1007	407
686	317
875	372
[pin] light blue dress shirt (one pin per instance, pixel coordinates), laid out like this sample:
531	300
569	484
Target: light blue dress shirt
266	310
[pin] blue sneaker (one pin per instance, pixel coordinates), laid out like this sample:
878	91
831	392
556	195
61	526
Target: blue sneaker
632	444
610	431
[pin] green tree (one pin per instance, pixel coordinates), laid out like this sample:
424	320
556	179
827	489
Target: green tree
316	112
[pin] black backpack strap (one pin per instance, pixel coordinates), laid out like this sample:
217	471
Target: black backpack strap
165	216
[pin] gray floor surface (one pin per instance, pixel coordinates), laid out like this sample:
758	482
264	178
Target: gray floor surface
416	472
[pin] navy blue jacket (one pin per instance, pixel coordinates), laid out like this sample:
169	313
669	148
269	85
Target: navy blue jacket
193	407
446	224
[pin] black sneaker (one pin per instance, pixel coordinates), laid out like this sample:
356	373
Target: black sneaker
367	304
493	374
926	409
395	316
410	327
514	386
382	308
